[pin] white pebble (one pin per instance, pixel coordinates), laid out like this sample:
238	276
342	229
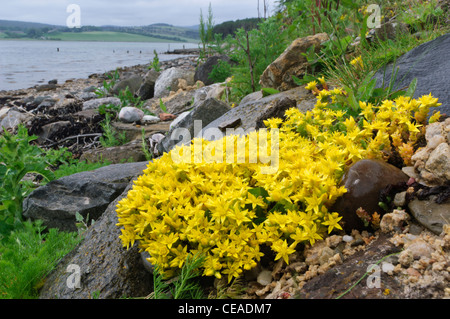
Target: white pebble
264	277
387	267
347	238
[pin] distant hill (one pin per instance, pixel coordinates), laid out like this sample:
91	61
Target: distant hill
230	27
19	29
20	25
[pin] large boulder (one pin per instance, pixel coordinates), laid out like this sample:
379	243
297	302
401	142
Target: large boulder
100	267
204	70
86	193
169	80
250	112
429	63
278	75
364	181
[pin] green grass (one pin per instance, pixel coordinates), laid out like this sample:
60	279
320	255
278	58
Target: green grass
27	256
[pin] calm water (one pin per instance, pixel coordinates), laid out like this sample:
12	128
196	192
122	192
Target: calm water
24	64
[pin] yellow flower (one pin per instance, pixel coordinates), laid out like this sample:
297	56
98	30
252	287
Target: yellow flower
311	85
283	250
332	221
357	62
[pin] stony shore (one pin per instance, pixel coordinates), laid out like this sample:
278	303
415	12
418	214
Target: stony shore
403	259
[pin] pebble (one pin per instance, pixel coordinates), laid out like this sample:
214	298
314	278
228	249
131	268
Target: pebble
264	278
388	268
150	119
130	114
347	238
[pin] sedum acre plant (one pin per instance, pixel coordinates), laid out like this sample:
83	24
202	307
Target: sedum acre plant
227	209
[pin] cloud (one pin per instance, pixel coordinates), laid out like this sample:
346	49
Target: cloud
130	13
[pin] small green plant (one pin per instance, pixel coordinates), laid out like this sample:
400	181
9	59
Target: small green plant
110	137
182	287
107	86
127	98
220	72
162	106
148	154
155	63
421	14
17	159
27	255
82	224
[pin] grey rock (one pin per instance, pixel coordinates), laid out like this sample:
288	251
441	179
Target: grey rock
147	89
133	84
106	267
12	119
130	114
95	104
86	96
57	202
46	87
131	151
150	119
429	63
192	123
250	112
429	214
168	81
49	129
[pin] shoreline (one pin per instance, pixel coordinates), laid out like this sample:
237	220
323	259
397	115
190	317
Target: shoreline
177	60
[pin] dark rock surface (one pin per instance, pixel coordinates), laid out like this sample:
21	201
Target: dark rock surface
429	63
106	269
336	281
57	202
364	182
246	115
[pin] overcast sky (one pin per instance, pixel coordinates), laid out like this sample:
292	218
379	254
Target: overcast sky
130	12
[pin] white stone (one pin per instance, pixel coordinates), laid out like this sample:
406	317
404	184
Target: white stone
150	119
347	238
264	278
387	267
130	114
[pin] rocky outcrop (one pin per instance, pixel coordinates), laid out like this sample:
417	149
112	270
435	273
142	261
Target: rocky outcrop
86	193
429	63
278	75
247	114
100	266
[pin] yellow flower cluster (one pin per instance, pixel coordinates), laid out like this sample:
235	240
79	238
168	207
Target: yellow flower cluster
227	209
